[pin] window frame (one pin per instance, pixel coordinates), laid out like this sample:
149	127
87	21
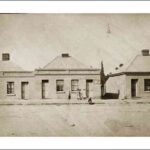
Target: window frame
74	85
10	88
147	85
60	87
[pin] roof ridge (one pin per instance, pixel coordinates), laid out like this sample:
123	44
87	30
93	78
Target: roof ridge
51	61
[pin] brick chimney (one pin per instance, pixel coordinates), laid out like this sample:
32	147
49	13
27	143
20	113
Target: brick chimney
5	57
145	52
65	55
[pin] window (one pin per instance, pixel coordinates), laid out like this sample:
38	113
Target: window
74	85
10	87
59	85
146	84
5	56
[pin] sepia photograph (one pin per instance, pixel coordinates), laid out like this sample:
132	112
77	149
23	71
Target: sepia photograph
74	75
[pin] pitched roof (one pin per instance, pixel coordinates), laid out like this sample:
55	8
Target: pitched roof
139	64
67	62
9	66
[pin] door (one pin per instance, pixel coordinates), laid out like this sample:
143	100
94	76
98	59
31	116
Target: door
89	84
134	87
24	90
44	89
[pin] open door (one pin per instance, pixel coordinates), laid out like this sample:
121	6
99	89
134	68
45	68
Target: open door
89	85
24	90
44	89
134	87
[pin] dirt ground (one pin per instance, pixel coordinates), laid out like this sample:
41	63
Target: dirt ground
75	120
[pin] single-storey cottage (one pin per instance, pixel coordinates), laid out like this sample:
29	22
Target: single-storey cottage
63	77
131	80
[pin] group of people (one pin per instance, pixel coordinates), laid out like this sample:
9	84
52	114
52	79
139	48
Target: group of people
81	96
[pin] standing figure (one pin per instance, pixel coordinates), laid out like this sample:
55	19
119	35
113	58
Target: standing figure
79	97
84	94
69	95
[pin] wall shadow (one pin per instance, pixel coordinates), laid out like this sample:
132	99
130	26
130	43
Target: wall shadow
111	96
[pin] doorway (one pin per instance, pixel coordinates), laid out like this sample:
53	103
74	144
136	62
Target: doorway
89	84
134	87
24	90
45	89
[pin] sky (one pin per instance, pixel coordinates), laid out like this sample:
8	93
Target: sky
33	40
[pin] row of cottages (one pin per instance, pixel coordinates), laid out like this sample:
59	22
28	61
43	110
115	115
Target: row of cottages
131	80
64	77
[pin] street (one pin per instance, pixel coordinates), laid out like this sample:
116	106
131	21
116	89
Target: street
75	120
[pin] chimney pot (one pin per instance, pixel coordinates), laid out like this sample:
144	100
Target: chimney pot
65	55
145	52
5	57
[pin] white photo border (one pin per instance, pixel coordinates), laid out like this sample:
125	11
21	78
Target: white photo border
74	7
